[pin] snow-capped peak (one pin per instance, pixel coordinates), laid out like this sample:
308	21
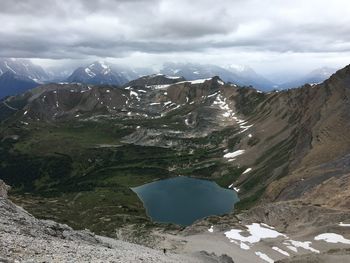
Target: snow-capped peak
237	68
23	67
98	67
103	64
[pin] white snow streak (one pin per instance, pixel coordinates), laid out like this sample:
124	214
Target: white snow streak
264	257
281	251
234	154
247	171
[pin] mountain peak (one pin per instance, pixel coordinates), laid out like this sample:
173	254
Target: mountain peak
238	68
98	73
23	67
99	67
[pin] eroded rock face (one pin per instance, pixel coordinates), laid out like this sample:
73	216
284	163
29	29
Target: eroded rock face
3	189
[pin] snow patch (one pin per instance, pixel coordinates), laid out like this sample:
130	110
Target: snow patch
158	86
172	77
343	224
256	231
212	95
281	251
89	72
234	154
264	257
266	225
294	249
300	244
211	229
247	170
103	65
332	238
197	81
10	68
244	246
135	94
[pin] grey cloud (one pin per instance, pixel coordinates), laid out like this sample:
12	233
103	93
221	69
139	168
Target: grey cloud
117	28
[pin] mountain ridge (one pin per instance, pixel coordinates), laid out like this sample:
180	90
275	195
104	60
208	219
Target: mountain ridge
316	76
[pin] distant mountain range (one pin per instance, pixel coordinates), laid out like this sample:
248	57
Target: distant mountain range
19	75
26	75
23	67
100	73
243	76
314	77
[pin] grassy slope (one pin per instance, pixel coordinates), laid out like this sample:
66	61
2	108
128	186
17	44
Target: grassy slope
60	171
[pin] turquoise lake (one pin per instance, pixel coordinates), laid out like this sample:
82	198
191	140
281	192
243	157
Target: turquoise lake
183	200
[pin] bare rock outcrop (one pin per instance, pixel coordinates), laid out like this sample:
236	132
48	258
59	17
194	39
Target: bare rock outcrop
4	188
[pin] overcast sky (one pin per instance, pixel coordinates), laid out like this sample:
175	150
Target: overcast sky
272	36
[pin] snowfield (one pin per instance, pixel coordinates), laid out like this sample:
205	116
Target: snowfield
332	238
257	232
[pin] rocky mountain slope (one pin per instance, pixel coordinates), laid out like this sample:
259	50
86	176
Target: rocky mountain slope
286	153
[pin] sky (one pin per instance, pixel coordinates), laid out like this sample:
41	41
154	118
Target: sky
275	37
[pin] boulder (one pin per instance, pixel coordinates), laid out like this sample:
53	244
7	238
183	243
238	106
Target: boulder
3	189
